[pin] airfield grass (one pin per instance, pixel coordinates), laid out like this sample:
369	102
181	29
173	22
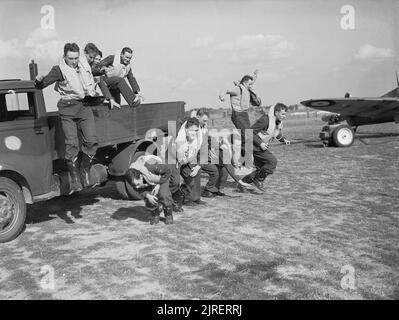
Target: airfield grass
327	214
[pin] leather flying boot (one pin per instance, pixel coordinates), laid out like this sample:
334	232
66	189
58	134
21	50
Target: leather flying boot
178	199
168	212
75	184
85	165
155	215
259	185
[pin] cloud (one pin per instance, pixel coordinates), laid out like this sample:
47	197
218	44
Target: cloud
202	42
40	44
9	48
368	52
189	82
43	43
164	81
258	48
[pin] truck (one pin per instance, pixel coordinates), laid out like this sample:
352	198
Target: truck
32	148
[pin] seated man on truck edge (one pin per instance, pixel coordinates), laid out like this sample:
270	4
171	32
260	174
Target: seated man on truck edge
156	182
114	69
74	82
91	53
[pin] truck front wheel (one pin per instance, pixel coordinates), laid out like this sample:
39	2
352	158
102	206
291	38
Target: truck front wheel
12	210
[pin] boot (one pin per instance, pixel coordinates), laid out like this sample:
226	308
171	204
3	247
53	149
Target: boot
178	199
75	184
168	212
85	165
176	207
155	216
259	185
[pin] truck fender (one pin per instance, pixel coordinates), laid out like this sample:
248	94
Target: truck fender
18	179
121	161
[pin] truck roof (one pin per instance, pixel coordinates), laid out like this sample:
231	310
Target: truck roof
13	84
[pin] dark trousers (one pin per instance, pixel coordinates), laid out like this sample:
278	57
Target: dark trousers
166	190
192	185
174	183
265	163
241	122
75	117
217	176
113	87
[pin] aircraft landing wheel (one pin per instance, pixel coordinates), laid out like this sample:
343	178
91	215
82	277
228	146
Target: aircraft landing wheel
343	136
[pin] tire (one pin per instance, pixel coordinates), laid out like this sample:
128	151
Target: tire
12	198
343	136
125	190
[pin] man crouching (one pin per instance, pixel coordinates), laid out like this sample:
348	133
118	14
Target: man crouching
154	181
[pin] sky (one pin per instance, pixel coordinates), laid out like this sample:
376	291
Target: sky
191	50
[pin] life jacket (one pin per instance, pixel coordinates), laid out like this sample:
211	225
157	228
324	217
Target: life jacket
118	69
139	165
274	130
244	98
253	99
76	84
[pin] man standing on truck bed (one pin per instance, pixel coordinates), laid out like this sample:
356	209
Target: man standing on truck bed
74	82
116	68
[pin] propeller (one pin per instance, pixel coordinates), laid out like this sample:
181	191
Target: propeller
397	79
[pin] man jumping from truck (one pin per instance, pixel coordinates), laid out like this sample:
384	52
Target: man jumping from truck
75	83
266	129
240	101
114	69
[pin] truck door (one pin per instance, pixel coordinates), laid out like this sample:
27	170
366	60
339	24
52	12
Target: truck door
25	140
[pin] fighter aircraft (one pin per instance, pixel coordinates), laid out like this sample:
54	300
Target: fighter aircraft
356	112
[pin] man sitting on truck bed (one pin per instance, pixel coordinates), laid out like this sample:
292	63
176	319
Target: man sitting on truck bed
91	52
114	69
74	82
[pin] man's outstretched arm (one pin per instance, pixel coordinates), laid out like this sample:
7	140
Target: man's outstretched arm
54	75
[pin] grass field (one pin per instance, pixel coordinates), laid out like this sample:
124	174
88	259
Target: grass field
328	215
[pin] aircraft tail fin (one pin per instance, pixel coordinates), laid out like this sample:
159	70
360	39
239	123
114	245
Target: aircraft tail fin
395	92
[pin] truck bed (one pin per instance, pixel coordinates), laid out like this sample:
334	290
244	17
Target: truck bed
120	125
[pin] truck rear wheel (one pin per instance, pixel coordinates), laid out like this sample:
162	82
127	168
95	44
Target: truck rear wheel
125	190
343	136
12	210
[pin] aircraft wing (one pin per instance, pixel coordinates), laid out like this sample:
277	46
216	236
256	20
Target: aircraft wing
359	107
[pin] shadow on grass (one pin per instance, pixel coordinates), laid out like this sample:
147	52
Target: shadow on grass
140	213
243	282
61	206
